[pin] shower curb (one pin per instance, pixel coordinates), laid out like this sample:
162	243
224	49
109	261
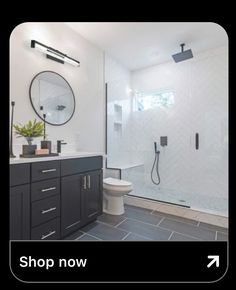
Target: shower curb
188	213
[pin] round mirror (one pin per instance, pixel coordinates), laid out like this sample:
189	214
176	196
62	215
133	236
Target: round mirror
52	96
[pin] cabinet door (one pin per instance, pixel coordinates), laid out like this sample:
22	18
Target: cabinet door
92	195
70	204
20	212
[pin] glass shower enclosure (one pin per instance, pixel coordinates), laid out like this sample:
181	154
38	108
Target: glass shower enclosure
185	106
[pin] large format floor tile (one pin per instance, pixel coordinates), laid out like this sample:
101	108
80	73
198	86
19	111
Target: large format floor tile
213	227
111	219
140	224
135	237
87	238
140	214
104	232
180	237
145	230
174	217
191	230
222	237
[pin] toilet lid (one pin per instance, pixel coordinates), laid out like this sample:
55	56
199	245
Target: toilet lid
116	182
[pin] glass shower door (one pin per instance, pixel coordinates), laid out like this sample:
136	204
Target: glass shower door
161	113
209	119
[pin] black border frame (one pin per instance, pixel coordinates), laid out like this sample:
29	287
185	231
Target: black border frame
33	104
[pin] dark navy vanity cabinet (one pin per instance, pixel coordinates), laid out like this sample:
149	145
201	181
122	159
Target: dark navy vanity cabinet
20	202
52	199
45	200
81	192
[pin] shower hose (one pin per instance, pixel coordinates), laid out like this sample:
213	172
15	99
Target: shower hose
156	162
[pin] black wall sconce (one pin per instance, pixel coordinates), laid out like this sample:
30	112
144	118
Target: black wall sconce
54	54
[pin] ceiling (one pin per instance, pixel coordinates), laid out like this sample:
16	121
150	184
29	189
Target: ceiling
141	44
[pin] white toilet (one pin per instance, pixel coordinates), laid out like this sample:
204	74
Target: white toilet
113	191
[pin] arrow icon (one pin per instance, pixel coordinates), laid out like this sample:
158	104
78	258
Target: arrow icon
215	259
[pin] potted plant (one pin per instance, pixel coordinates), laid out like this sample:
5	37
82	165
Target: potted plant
30	131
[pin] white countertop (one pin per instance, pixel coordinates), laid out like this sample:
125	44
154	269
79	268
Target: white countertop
61	156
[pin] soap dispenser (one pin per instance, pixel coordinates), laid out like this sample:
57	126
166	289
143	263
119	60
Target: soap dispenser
45	144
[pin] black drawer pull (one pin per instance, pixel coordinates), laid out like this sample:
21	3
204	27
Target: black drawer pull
48	235
48	189
48	170
48	210
196	141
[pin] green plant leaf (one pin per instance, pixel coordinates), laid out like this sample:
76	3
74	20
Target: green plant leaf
30	129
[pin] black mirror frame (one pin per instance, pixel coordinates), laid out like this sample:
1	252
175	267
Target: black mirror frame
32	101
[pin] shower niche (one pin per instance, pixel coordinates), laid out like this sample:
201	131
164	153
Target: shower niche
118	118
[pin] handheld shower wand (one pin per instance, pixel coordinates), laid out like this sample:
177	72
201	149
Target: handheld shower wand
155	147
156	162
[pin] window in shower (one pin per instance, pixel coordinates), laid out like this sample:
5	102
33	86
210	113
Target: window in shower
143	102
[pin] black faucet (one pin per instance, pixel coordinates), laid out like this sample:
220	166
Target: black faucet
59	143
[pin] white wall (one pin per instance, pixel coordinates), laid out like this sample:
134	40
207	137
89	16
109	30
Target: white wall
118	80
86	130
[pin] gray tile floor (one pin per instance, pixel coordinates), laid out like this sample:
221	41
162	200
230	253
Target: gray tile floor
139	224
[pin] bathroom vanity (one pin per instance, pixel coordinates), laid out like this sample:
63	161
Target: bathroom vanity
51	197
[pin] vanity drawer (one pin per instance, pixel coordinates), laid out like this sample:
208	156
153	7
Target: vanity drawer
45	170
45	188
47	231
78	165
44	210
19	174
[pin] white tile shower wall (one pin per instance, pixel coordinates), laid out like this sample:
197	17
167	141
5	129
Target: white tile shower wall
117	78
114	173
86	130
201	106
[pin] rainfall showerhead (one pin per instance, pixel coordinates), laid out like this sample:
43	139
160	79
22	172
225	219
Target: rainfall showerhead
183	55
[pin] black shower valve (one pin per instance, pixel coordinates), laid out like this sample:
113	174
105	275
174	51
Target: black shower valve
163	140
